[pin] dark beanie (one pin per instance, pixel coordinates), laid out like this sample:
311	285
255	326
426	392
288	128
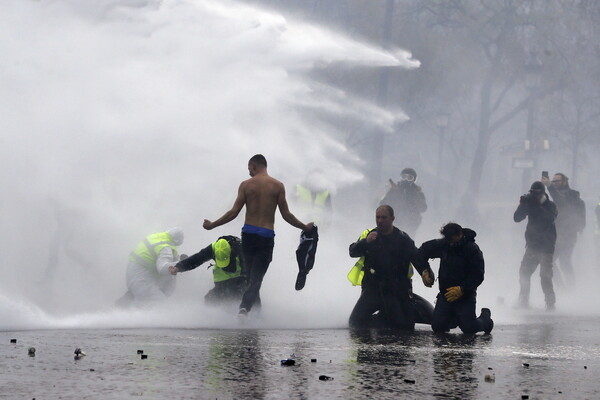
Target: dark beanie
538	187
409	171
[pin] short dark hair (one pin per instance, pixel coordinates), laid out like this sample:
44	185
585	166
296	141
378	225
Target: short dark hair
562	176
258	159
388	208
451	229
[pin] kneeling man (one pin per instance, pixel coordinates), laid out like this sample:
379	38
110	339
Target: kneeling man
384	270
461	272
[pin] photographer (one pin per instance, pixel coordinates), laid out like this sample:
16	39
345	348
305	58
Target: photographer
540	238
569	223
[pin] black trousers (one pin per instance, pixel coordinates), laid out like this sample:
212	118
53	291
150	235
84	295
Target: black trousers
391	300
531	259
257	253
226	291
563	255
460	313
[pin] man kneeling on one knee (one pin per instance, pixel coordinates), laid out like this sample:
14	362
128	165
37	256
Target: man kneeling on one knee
461	272
384	270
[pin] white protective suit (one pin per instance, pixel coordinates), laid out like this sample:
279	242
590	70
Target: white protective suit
150	286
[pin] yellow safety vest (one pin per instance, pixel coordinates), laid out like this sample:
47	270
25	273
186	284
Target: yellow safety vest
357	273
146	252
311	208
220	275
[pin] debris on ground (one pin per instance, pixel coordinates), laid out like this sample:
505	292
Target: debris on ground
78	353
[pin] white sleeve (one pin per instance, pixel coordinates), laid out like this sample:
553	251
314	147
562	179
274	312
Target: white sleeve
165	260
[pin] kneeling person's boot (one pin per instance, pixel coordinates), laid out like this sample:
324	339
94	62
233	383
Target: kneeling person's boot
486	316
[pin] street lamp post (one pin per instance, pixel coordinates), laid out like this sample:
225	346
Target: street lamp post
442	123
533	75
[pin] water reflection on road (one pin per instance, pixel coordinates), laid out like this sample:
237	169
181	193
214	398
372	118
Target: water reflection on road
235	363
419	364
544	357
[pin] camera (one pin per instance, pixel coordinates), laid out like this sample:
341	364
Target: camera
527	198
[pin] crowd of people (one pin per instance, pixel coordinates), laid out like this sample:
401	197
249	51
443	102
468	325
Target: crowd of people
387	254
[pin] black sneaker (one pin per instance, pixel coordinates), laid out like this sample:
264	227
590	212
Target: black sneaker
486	315
243	313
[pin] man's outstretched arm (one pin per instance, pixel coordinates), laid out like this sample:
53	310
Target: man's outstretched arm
230	215
287	214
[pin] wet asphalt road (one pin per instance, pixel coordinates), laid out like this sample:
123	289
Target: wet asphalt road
545	357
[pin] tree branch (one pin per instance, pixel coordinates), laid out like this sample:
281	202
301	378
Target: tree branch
503	93
509	115
518	108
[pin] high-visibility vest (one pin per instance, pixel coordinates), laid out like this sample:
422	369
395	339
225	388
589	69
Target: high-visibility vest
146	252
357	273
219	273
312	208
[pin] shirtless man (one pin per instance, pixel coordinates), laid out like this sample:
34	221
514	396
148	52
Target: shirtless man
261	194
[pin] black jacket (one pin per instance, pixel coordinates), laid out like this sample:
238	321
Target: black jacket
196	260
207	254
571	210
307	249
540	233
387	258
408	202
461	264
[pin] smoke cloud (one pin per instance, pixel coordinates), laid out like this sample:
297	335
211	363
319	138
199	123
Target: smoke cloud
125	118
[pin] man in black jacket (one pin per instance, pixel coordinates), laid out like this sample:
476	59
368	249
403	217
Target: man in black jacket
461	272
540	238
386	285
569	223
228	273
408	201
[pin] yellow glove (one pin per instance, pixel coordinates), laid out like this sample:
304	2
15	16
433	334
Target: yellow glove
453	293
427	280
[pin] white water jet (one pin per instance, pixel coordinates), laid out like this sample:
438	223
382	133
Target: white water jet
124	118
